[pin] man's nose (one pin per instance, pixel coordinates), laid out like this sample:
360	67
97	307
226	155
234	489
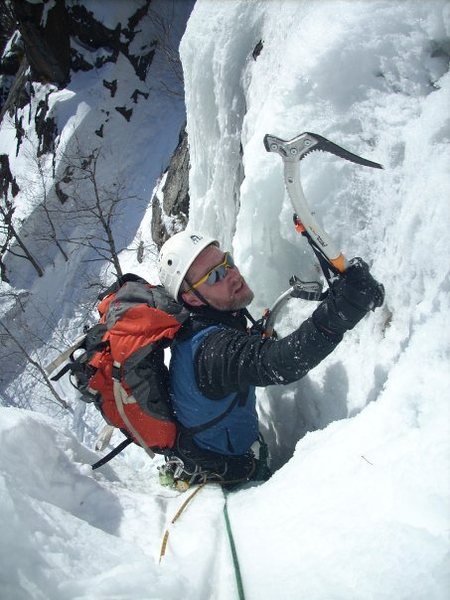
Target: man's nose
232	272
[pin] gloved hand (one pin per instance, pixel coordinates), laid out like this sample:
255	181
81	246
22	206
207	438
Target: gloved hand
350	297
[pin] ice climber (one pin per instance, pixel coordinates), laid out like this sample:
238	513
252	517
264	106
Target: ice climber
216	363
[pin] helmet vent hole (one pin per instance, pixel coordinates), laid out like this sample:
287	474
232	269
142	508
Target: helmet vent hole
169	262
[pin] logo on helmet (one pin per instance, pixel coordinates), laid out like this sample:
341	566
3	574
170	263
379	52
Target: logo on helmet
196	239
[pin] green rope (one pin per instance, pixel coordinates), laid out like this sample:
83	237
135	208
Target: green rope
237	570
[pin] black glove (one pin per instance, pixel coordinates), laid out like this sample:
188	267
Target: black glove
350	297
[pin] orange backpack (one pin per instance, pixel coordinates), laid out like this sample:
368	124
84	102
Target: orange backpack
119	363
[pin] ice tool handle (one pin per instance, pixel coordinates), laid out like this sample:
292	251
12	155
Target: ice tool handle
292	152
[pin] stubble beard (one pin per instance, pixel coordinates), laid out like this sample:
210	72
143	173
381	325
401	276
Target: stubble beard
245	301
235	304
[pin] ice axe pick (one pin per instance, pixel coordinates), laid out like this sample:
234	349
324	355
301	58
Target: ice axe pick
292	152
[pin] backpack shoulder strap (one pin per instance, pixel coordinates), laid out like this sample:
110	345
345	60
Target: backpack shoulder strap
120	281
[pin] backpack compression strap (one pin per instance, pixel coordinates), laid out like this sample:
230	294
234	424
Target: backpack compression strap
121	397
117	450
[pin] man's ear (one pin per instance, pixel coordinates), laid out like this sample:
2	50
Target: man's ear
191	299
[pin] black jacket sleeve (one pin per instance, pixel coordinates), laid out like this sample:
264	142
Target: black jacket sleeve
229	360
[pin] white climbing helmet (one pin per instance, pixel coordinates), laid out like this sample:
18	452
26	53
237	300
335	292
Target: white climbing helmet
177	255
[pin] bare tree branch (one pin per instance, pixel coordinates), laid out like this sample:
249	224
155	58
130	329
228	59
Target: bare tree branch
36	366
93	206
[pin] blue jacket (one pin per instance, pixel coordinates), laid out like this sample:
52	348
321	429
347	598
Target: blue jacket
237	431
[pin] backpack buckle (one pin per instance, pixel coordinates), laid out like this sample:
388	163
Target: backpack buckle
116	371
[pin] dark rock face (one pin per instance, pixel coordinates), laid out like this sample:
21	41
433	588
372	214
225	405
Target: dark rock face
11	59
46	128
47	46
11	51
8	189
175	204
49	51
8	183
87	32
176	188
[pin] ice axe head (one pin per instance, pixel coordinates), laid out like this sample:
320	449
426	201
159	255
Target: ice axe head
299	147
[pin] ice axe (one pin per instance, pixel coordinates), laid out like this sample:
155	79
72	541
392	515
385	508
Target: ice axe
292	152
331	259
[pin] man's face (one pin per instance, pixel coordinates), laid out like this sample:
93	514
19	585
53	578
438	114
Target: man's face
228	294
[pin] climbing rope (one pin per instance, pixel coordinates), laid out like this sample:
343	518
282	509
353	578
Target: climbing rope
176	517
237	570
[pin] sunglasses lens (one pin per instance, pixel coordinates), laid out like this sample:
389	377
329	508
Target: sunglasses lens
216	275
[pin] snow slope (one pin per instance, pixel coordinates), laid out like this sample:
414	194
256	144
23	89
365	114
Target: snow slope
69	534
359	507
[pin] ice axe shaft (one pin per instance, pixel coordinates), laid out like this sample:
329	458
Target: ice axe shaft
292	152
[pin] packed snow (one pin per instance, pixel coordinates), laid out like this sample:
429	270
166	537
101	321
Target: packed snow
359	505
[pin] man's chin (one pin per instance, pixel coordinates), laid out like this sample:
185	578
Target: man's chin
239	301
243	299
